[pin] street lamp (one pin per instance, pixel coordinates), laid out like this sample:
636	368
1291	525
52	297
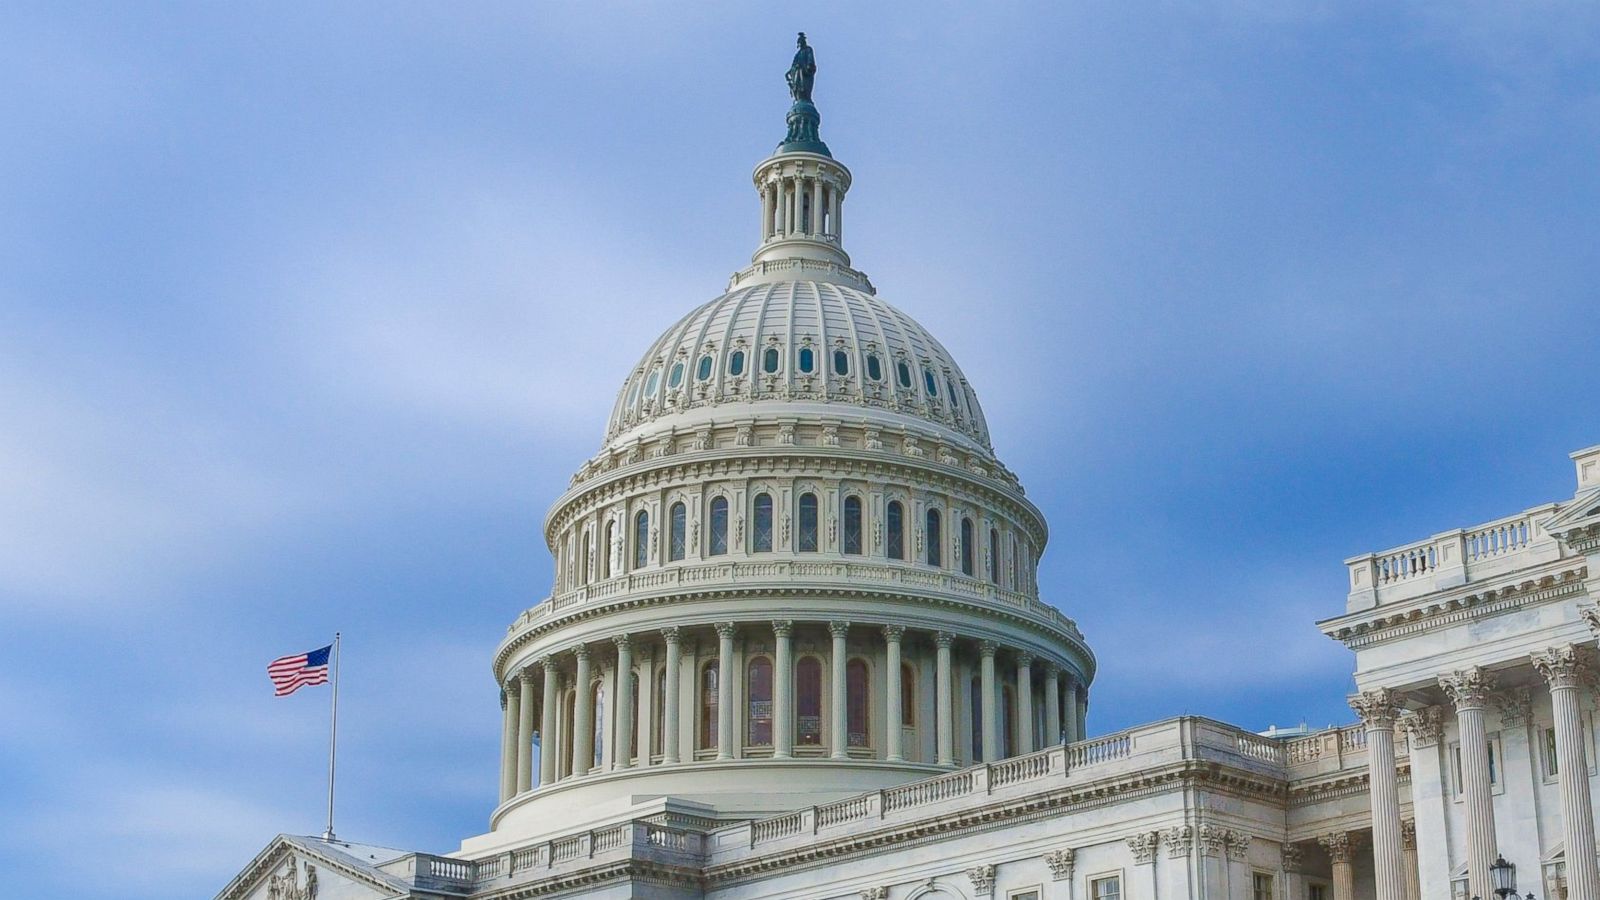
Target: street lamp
1503	876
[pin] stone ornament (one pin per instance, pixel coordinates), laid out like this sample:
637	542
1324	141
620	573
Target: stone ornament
1143	847
1561	667
1424	727
1377	708
288	885
1516	705
1408	834
1341	846
1060	863
1591	617
1468	688
982	879
1213	840
1293	855
1179	840
875	893
1238	846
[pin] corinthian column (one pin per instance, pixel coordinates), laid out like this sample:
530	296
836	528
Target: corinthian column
783	689
525	731
583	716
1408	844
1341	848
893	714
1024	712
1071	726
841	743
1377	711
725	690
1564	671
1052	706
510	700
944	684
669	703
1469	690
991	721
549	748
622	753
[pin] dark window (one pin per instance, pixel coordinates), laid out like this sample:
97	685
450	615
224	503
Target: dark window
606	551
904	372
641	540
807	538
808	702
769	360
676	541
934	537
759	712
856	694
841	362
950	388
874	369
583	560
658	700
1008	722
704	371
967	541
895	525
761	534
929	383
719	526
808	360
852	525
977	719
676	378
908	695
708	706
736	363
994	556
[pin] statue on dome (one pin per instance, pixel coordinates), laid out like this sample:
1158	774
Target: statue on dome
803	71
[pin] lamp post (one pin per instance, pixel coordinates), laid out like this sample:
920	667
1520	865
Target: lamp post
1503	875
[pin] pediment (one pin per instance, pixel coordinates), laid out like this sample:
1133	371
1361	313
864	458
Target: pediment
1584	509
298	868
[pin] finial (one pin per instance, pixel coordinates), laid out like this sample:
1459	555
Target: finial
804	120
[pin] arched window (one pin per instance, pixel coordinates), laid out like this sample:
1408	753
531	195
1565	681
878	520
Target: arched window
806	540
894	522
658	703
569	704
719	526
759	706
935	539
1008	722
977	719
641	540
599	708
908	696
761	534
841	362
1016	582
736	363
634	750
608	549
769	360
808	702
704	370
967	541
857	690
808	360
708	706
583	559
852	525
676	540
994	556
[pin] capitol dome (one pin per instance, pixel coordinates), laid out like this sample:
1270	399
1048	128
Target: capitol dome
795	569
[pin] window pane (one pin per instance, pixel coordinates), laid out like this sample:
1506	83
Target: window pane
935	556
761	535
599	724
652	382
841	362
736	363
641	540
808	359
677	540
769	360
808	702
704	371
976	703
966	546
908	695
929	383
895	527
759	712
905	374
994	556
719	526
808	524
676	378
708	706
855	680
874	369
852	525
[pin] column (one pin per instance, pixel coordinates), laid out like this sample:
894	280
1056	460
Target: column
838	215
946	700
766	212
1081	697
1564	672
782	188
510	702
1070	707
893	715
1377	711
841	740
1239	881
991	718
816	207
622	753
1292	856
725	690
782	689
525	731
583	716
645	706
549	747
1469	690
1052	706
1408	846
1024	712
1341	850
669	703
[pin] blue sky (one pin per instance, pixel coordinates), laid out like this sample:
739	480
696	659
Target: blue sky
307	314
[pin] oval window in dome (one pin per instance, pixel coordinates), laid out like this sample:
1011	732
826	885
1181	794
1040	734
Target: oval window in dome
633	393
905	373
651	382
676	378
950	388
874	368
769	360
704	371
841	362
808	360
736	363
929	383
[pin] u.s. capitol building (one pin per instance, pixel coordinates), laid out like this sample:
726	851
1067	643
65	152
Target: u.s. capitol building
796	648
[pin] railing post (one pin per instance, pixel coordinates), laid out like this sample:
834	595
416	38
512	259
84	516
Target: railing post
980	779
808	820
1450	558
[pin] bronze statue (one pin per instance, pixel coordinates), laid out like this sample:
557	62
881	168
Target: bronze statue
803	71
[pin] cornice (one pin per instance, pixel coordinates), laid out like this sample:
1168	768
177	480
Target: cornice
627	868
1342	784
1377	625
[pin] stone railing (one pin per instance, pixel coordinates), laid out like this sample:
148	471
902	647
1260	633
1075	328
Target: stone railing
1452	558
1333	750
801	266
570	852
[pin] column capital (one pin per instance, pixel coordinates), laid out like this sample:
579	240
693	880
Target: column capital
1025	659
580	652
1060	863
943	640
526	674
505	699
1376	708
1341	846
725	630
624	643
987	649
1051	670
782	627
1213	840
1408	834
670	634
1143	847
1179	840
1293	855
1238	845
1561	667
839	629
1468	688
1591	617
893	633
1424	727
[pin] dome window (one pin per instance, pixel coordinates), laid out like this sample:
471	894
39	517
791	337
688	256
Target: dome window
950	387
905	373
676	540
651	383
769	361
676	378
935	551
719	526
807	538
852	526
895	522
761	534
633	393
736	363
704	370
641	540
841	362
874	367
808	360
929	383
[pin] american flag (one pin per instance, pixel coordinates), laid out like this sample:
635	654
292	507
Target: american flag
291	673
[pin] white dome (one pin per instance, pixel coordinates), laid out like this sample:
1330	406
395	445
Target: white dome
797	347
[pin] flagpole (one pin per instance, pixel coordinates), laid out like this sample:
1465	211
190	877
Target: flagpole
333	737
